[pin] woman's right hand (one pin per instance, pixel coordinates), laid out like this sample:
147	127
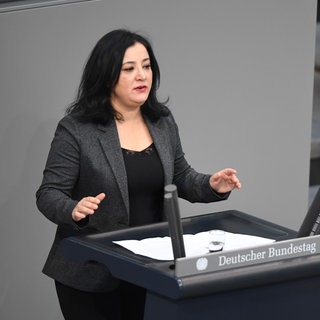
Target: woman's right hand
86	206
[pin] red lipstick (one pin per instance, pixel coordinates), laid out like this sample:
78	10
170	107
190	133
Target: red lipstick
141	88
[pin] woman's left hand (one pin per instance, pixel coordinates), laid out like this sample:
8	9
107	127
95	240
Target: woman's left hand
225	181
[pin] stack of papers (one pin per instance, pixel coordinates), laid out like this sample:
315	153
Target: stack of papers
160	248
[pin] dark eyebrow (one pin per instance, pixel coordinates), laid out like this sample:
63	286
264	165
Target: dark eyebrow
133	62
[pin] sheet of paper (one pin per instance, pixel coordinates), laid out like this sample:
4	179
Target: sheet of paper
160	248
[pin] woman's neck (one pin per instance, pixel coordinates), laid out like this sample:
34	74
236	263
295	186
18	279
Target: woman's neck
134	115
133	132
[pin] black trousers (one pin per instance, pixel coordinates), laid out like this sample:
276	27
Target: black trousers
124	303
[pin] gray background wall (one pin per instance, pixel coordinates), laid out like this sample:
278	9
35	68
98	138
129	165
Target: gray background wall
239	75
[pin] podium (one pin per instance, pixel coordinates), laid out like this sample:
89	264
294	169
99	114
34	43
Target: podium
281	289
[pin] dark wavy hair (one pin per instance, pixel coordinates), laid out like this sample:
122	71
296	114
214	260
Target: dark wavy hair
101	74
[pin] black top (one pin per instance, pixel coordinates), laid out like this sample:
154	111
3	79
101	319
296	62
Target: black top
145	185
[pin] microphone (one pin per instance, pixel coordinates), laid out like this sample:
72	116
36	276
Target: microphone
172	212
311	223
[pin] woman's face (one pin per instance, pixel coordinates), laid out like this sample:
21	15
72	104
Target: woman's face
135	80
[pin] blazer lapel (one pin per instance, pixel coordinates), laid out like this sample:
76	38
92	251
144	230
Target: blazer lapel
112	149
111	145
162	143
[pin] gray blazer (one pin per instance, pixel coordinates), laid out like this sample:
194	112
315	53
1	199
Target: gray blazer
85	160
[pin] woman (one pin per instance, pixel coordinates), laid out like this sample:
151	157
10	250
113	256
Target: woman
109	161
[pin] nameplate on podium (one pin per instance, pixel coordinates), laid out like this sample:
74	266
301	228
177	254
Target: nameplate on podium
277	251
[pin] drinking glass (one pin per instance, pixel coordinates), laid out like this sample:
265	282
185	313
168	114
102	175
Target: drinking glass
216	240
